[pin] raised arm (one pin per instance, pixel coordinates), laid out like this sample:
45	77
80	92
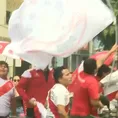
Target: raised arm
101	60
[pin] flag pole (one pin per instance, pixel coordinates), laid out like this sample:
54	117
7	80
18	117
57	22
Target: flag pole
14	69
5	58
116	39
116	36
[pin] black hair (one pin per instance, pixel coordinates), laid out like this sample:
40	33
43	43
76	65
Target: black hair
90	66
58	73
103	69
4	63
46	73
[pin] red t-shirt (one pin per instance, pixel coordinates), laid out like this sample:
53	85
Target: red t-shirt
72	86
101	91
87	88
34	85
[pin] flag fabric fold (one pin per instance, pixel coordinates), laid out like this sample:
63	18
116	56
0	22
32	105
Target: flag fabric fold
110	83
40	111
55	28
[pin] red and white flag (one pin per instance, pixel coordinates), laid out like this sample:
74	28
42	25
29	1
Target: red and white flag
40	111
5	50
100	55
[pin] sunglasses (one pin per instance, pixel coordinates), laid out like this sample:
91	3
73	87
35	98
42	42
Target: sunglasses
16	80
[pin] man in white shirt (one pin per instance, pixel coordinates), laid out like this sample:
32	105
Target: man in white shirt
7	95
59	97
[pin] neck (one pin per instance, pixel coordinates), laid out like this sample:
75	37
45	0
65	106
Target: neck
64	85
99	78
3	77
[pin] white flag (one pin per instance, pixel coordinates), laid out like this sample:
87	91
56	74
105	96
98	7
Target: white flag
110	83
56	27
42	110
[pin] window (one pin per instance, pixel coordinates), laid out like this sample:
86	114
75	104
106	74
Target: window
8	14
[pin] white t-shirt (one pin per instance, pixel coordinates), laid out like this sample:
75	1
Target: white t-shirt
59	95
5	100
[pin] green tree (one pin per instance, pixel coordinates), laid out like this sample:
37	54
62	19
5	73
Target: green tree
107	36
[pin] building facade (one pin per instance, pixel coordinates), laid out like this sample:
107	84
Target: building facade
6	8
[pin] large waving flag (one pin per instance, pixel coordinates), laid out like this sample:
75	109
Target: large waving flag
41	29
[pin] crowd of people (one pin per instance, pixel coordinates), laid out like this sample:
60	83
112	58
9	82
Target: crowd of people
62	93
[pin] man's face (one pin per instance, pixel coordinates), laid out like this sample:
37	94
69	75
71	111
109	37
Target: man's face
105	74
66	77
3	70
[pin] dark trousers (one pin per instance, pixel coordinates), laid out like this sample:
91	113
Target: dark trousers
30	113
82	116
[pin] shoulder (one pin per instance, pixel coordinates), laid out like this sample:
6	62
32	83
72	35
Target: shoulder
89	79
6	82
58	88
27	73
10	83
92	80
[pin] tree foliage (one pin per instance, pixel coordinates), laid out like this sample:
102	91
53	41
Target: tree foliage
107	37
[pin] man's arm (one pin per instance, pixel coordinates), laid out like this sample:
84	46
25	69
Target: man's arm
97	103
21	87
62	111
60	99
116	97
101	60
93	91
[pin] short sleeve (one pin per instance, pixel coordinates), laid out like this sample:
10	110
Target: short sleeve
59	96
60	99
26	74
93	89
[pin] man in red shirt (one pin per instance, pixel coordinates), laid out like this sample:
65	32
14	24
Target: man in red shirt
99	63
76	88
87	91
34	86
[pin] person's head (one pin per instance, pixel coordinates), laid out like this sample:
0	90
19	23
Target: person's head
103	71
62	75
16	79
90	66
4	69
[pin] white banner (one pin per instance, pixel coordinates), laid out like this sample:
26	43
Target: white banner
42	110
110	83
56	27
